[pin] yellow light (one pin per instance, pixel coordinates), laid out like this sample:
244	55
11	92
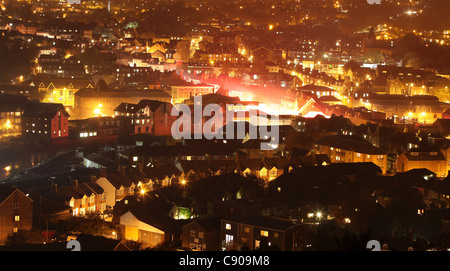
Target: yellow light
142	191
7	168
423	114
8	124
97	111
183	182
410	114
100	105
270	27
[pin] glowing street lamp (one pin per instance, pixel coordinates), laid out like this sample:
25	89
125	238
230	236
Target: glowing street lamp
319	215
97	110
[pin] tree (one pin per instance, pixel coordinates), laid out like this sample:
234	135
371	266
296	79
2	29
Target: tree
23	237
183	51
93	225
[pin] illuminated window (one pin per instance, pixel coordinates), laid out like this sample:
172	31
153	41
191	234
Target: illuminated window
228	226
229	238
264	233
17	218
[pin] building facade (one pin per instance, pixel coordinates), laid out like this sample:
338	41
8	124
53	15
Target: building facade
16	212
48	120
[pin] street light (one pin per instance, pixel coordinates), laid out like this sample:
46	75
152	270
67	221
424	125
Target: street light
319	215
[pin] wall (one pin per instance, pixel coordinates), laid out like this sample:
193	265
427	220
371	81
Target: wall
7	213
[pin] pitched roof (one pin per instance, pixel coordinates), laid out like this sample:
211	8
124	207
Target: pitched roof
46	110
349	143
262	221
208	223
74	83
77	192
100	243
5	192
134	108
127	108
117	179
425	156
123	92
101	160
157	219
161	171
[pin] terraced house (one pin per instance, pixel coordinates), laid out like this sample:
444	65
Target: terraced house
83	198
347	149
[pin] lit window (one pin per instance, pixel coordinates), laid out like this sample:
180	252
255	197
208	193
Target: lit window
17	218
135	158
229	238
228	226
265	233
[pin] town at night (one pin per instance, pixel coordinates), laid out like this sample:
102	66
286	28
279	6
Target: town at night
195	126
